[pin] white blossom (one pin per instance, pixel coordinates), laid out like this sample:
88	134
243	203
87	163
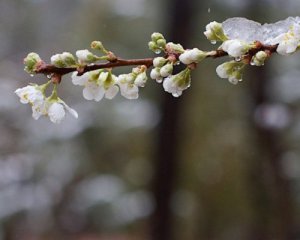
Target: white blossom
97	85
141	79
39	109
56	111
128	89
235	47
80	80
30	94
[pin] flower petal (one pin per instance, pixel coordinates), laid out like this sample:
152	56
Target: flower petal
79	80
111	92
56	112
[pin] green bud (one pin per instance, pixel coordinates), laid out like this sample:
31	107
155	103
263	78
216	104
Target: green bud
156	36
152	45
161	43
214	32
97	45
68	59
259	58
31	61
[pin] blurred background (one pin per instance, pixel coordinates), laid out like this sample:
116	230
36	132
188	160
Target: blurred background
221	162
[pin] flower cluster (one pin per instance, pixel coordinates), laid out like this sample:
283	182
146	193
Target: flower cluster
51	106
101	83
157	43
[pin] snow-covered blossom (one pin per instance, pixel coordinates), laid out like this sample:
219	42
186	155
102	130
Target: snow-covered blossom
97	84
85	56
192	56
232	70
214	32
175	84
288	42
235	47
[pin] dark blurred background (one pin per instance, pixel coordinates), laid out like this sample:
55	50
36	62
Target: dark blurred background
221	162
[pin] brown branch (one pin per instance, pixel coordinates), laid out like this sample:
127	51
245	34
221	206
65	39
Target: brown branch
43	68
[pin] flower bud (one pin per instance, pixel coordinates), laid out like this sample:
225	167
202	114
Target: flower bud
156	36
214	32
161	43
68	58
155	73
192	56
235	48
31	62
97	45
175	48
159	61
232	70
175	84
85	56
166	70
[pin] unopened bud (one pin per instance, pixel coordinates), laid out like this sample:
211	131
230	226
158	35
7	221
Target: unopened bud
31	62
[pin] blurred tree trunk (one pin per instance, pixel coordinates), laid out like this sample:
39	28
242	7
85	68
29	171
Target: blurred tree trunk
166	160
272	198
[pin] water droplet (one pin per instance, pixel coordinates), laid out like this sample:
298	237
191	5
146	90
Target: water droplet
240	80
159	80
31	75
208	10
176	94
252	62
49	76
238	59
157	51
213	41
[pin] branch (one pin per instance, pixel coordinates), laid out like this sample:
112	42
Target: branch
43	68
